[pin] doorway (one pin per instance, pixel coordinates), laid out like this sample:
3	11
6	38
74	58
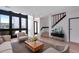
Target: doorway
35	27
74	30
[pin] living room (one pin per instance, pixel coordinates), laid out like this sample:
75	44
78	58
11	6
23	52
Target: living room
38	29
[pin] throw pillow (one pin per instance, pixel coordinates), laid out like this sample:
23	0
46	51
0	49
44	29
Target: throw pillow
6	37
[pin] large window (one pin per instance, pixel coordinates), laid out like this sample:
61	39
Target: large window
4	21
23	22
11	23
15	22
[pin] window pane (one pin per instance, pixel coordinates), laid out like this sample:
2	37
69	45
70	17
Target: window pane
23	22
15	22
4	22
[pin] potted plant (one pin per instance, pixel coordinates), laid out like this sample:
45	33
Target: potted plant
34	39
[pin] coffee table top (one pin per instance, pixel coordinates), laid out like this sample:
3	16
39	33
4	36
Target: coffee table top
34	45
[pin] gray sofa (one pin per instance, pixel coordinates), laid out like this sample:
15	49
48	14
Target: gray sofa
53	50
5	46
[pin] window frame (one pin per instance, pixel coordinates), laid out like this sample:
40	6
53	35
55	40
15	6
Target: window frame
12	14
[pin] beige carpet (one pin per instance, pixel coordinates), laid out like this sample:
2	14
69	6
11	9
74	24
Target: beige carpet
21	48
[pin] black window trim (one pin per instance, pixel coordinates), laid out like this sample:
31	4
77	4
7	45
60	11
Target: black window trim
11	14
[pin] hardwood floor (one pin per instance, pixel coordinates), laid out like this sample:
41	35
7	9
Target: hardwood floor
52	41
73	47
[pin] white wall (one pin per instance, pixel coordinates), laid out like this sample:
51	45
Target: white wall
50	23
71	13
44	21
30	26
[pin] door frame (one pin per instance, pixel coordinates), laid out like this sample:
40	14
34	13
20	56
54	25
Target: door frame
36	27
70	24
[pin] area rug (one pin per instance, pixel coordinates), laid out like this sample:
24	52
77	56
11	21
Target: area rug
21	48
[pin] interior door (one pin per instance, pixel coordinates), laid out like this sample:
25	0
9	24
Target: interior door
74	30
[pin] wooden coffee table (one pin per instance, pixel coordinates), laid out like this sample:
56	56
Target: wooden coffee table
34	46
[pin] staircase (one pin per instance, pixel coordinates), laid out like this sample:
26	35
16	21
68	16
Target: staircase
44	27
57	18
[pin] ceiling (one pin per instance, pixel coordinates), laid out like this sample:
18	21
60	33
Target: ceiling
36	11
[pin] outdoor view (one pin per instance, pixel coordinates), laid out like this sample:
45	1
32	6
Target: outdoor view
4	22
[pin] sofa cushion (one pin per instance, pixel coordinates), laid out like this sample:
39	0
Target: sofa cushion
23	37
1	40
6	37
5	46
21	34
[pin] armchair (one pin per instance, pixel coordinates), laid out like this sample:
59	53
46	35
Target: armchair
22	36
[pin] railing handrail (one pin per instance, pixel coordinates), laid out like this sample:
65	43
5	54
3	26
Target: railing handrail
56	21
59	13
44	27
